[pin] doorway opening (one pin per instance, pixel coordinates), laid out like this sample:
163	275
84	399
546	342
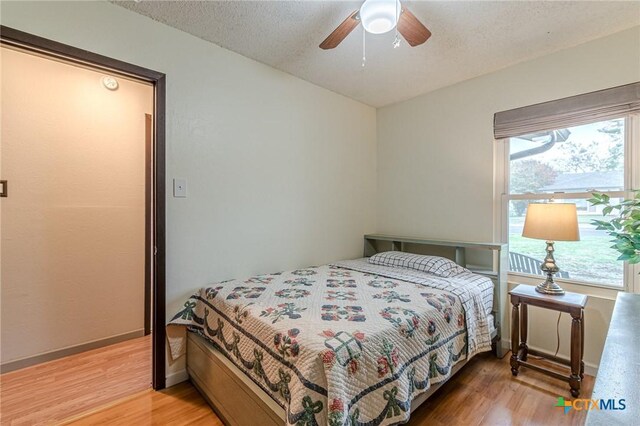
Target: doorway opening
93	244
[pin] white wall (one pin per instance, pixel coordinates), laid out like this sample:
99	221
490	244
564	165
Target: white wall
73	226
281	173
435	171
436	153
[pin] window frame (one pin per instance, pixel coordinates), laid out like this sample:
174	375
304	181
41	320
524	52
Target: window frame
502	197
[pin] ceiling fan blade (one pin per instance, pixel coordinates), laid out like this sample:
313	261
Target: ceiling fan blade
412	29
340	33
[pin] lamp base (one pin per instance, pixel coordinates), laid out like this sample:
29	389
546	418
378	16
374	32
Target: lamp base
549	288
550	268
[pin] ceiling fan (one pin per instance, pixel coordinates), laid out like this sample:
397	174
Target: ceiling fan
378	17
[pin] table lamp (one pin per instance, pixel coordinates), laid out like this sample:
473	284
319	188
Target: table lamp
551	222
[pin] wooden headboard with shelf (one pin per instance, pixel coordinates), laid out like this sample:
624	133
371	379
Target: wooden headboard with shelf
456	251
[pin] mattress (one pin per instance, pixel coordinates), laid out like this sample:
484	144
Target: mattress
342	342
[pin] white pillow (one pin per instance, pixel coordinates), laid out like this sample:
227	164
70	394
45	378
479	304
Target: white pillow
435	265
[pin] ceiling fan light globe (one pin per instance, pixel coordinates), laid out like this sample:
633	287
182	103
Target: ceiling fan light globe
380	26
380	16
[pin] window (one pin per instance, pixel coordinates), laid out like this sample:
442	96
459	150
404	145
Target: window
567	165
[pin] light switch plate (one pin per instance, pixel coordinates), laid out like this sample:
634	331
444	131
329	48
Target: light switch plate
180	188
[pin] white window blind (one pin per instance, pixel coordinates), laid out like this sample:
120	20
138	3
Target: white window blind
566	112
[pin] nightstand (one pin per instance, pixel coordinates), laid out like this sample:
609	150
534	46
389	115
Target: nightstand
572	303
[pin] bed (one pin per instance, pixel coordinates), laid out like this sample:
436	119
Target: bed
351	342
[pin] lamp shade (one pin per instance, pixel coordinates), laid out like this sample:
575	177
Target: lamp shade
552	222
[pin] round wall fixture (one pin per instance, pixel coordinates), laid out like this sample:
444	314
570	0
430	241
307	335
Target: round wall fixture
110	82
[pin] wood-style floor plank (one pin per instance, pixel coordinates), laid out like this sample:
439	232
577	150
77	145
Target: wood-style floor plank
50	392
483	393
177	405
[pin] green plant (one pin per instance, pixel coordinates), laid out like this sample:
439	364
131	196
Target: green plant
624	228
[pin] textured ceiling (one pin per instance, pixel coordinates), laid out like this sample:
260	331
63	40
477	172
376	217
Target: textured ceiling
469	38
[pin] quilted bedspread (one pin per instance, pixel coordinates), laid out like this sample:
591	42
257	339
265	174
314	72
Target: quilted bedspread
343	344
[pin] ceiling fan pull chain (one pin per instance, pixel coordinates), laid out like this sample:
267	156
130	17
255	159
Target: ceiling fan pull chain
364	56
396	41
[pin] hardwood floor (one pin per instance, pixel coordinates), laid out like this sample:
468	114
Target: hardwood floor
485	393
482	393
177	405
50	392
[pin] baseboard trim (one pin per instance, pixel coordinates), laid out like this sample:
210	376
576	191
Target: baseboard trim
177	377
589	368
71	350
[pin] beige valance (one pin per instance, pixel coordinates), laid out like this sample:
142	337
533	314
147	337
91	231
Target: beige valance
567	112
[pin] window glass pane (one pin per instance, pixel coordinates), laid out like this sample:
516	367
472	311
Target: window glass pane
576	159
591	259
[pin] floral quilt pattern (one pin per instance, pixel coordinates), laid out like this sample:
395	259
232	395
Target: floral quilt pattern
341	283
300	281
246	292
337	313
392	296
341	295
336	345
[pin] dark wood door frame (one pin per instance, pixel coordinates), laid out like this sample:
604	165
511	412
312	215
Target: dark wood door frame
149	202
155	243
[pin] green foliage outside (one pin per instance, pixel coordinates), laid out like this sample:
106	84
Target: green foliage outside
624	227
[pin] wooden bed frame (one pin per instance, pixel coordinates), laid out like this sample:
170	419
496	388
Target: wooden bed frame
239	401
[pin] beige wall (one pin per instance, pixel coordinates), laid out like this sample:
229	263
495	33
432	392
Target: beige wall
436	155
73	224
281	173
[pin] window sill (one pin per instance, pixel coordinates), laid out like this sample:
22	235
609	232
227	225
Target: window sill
590	289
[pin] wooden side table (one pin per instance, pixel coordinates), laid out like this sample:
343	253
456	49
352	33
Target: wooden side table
573	304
